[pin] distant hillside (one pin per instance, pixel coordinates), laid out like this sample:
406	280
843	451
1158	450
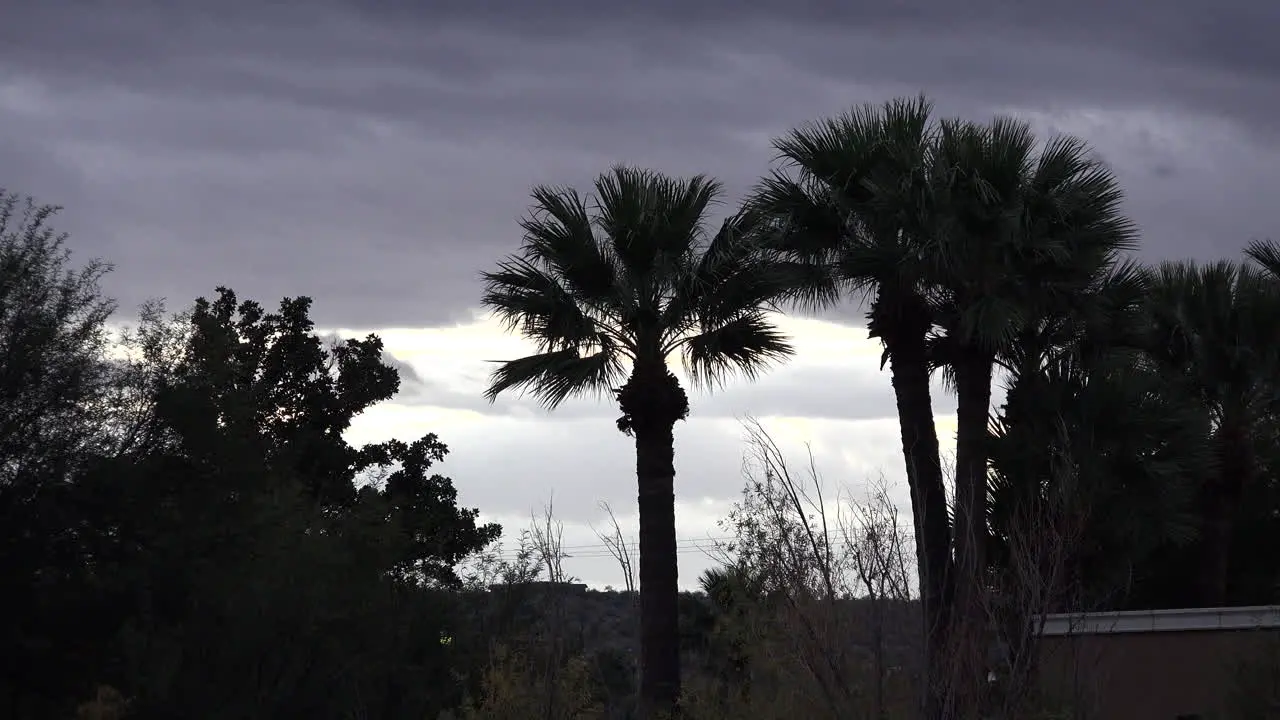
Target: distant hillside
609	620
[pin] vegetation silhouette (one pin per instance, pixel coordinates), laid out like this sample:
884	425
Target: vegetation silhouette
185	530
609	288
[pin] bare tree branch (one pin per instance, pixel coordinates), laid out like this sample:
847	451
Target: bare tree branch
615	542
547	534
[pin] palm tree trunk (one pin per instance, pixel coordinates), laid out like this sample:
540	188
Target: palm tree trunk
1221	503
910	372
973	417
659	572
973	411
652	401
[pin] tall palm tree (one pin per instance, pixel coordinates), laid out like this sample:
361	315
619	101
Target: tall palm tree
1016	234
609	287
963	236
1020	235
848	203
1216	337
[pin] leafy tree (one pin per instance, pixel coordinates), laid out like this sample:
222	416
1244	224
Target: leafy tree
54	391
631	276
237	557
52	336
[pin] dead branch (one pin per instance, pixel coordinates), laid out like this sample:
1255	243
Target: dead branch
615	542
547	534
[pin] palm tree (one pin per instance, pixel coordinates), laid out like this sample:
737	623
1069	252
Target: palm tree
1087	427
848	203
1216	338
1016	234
1019	237
960	228
631	277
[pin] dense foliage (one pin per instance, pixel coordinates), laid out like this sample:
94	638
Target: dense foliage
184	522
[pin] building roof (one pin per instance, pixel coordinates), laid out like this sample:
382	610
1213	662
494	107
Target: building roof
1140	621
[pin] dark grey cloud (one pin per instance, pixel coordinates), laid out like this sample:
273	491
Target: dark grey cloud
376	154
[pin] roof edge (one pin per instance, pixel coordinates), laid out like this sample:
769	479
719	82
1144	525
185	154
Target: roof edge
1256	617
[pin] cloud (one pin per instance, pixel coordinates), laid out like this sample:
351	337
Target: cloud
508	464
829	393
511	467
835	375
377	155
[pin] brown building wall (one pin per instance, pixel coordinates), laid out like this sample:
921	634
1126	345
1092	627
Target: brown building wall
1161	675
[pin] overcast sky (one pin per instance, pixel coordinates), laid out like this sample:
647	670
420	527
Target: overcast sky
376	155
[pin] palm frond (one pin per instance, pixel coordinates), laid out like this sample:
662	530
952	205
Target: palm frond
1215	331
559	236
1079	201
800	230
552	377
1023	237
653	222
726	255
528	299
803	219
865	266
746	345
842	151
738	274
1111	317
996	159
1266	253
852	198
835	151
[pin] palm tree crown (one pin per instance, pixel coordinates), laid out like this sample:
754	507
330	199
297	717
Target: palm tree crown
1020	231
632	275
848	203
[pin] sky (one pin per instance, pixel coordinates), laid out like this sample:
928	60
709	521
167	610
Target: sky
376	155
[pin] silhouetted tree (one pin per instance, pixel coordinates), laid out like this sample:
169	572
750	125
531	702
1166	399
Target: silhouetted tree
631	277
1216	339
191	528
848	202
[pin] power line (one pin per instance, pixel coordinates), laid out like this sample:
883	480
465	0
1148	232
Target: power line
684	546
632	544
679	551
636	543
